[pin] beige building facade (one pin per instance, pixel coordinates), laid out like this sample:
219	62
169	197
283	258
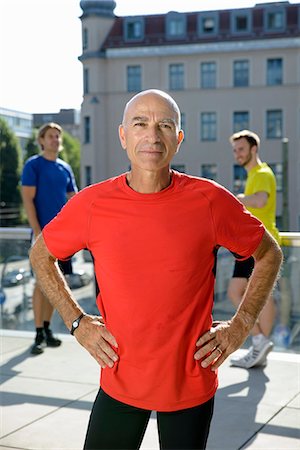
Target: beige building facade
228	70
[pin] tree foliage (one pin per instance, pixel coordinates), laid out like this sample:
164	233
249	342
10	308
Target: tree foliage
10	168
71	154
31	147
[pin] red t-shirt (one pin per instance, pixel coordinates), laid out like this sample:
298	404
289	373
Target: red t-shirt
154	262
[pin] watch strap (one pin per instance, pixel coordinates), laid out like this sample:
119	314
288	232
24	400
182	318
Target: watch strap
75	323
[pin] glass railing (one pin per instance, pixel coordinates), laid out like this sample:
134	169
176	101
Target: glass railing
17	283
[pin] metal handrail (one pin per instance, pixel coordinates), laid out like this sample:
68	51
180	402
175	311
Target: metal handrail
289	238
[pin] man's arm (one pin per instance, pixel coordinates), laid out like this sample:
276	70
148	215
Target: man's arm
228	336
70	194
28	195
257	200
91	333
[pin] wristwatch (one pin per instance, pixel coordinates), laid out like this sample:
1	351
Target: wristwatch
75	323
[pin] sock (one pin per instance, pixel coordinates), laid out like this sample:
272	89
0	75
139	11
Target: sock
47	327
39	335
258	339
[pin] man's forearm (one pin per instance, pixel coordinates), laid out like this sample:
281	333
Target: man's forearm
260	285
32	217
53	284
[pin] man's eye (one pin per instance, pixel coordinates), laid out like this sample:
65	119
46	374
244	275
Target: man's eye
166	125
139	124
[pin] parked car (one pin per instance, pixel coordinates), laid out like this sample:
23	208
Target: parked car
15	277
78	279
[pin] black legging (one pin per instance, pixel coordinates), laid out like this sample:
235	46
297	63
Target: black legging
115	425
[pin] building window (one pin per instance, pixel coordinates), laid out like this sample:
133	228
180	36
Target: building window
274	19
241	73
274	71
240	121
208	24
176	77
241	21
87	129
277	169
239	179
274	124
208	126
178	167
175	25
134	29
86	81
88	175
85	39
208	75
209	171
134	78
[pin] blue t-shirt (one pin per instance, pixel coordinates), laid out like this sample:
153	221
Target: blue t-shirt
53	180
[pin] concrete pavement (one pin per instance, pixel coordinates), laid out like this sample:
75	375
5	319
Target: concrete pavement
46	400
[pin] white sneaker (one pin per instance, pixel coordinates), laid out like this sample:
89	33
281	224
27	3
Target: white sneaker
256	356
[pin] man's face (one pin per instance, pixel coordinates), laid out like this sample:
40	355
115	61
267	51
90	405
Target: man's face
51	142
150	133
242	152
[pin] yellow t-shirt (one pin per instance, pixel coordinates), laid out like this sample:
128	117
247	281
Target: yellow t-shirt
261	178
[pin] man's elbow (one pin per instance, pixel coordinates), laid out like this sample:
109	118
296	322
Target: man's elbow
39	255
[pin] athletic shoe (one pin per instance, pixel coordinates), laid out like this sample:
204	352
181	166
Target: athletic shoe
52	341
38	346
256	356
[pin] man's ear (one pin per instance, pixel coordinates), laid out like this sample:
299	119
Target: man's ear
122	136
180	139
254	148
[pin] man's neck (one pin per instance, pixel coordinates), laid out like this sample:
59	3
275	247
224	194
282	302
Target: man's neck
148	182
50	155
253	163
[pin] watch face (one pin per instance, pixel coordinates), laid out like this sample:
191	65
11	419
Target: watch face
75	324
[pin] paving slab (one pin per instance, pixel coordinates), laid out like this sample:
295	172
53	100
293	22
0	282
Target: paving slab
46	400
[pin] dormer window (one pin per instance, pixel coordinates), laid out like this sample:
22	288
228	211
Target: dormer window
208	23
274	19
240	21
175	25
134	29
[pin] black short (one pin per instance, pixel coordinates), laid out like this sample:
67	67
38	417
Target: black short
66	266
116	425
243	269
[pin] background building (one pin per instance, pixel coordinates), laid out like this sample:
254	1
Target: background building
68	119
20	123
227	69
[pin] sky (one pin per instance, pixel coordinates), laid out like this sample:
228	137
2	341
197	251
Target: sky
40	41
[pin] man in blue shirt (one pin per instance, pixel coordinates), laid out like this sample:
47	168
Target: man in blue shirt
47	183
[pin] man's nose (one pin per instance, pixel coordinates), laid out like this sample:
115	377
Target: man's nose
153	133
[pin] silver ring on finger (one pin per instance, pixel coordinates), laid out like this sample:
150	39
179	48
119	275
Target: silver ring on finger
219	350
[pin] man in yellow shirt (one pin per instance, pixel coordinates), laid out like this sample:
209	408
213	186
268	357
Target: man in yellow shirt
260	199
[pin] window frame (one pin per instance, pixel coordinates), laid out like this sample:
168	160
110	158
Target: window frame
240	13
235	72
269	134
274	9
246	125
179	83
131	22
133	78
269	74
202	16
203	75
178	18
209	135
